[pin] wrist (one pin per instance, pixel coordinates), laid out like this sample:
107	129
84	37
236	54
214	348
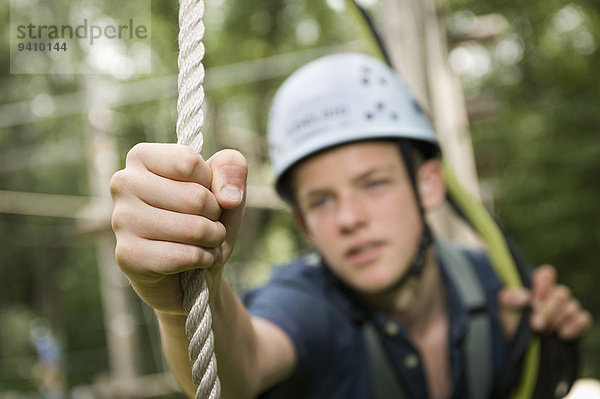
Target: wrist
165	295
217	289
170	319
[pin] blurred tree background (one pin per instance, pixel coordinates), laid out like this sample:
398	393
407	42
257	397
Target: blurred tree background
539	150
533	96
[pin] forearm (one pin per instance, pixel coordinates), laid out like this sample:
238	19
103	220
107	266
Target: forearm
253	354
175	347
235	345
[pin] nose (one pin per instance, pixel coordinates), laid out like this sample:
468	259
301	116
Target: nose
351	213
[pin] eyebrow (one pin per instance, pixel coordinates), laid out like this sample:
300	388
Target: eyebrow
361	176
372	171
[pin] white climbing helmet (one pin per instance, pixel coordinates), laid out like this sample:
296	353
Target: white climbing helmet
338	99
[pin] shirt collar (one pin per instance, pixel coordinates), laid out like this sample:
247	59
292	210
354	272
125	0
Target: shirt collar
359	311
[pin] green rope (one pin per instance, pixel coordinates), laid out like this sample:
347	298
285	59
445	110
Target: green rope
487	229
479	217
504	266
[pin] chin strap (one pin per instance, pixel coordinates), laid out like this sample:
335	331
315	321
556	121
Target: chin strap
407	152
418	260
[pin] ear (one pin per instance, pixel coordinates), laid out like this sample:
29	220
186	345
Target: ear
431	184
301	224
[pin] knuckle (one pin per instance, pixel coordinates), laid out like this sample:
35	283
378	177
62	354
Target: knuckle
546	268
239	158
550	272
206	233
571	309
221	232
194	232
115	222
124	254
562	292
230	157
117	182
198	199
232	164
136	151
575	305
120	218
588	320
545	274
218	234
191	255
235	175
577	327
187	161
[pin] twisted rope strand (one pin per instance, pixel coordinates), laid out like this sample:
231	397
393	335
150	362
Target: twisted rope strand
199	332
190	119
191	74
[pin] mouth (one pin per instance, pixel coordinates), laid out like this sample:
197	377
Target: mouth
365	252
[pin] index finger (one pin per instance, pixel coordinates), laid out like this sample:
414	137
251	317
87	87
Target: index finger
172	161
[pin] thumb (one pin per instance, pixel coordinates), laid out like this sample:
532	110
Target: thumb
229	174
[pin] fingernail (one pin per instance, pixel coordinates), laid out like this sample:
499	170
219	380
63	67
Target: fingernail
231	193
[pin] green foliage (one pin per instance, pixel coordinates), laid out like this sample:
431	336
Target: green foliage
49	267
541	149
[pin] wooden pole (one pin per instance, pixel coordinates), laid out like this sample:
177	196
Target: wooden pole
120	324
416	41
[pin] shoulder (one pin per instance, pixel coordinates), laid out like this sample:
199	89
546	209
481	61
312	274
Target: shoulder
491	285
484	269
305	274
467	268
290	289
296	299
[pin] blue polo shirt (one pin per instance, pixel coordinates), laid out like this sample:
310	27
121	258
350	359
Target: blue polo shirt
323	318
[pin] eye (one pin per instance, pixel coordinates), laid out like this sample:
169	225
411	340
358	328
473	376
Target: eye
319	201
375	183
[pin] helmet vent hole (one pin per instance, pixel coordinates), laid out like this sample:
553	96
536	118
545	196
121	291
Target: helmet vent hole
366	75
417	107
369	115
383	81
380	106
394	116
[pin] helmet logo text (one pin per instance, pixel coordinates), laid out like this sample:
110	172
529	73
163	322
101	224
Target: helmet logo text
318	120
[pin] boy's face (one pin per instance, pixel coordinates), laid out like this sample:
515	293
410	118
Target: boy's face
357	207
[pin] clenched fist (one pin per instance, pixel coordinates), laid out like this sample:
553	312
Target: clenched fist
174	212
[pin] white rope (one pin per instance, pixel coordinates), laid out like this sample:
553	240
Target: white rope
198	326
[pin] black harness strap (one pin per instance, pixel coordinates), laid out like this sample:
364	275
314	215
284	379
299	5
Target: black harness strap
478	341
477	345
383	375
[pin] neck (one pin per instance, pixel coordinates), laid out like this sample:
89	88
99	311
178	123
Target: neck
417	302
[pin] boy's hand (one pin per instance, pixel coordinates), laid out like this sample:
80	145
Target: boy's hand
554	308
175	212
